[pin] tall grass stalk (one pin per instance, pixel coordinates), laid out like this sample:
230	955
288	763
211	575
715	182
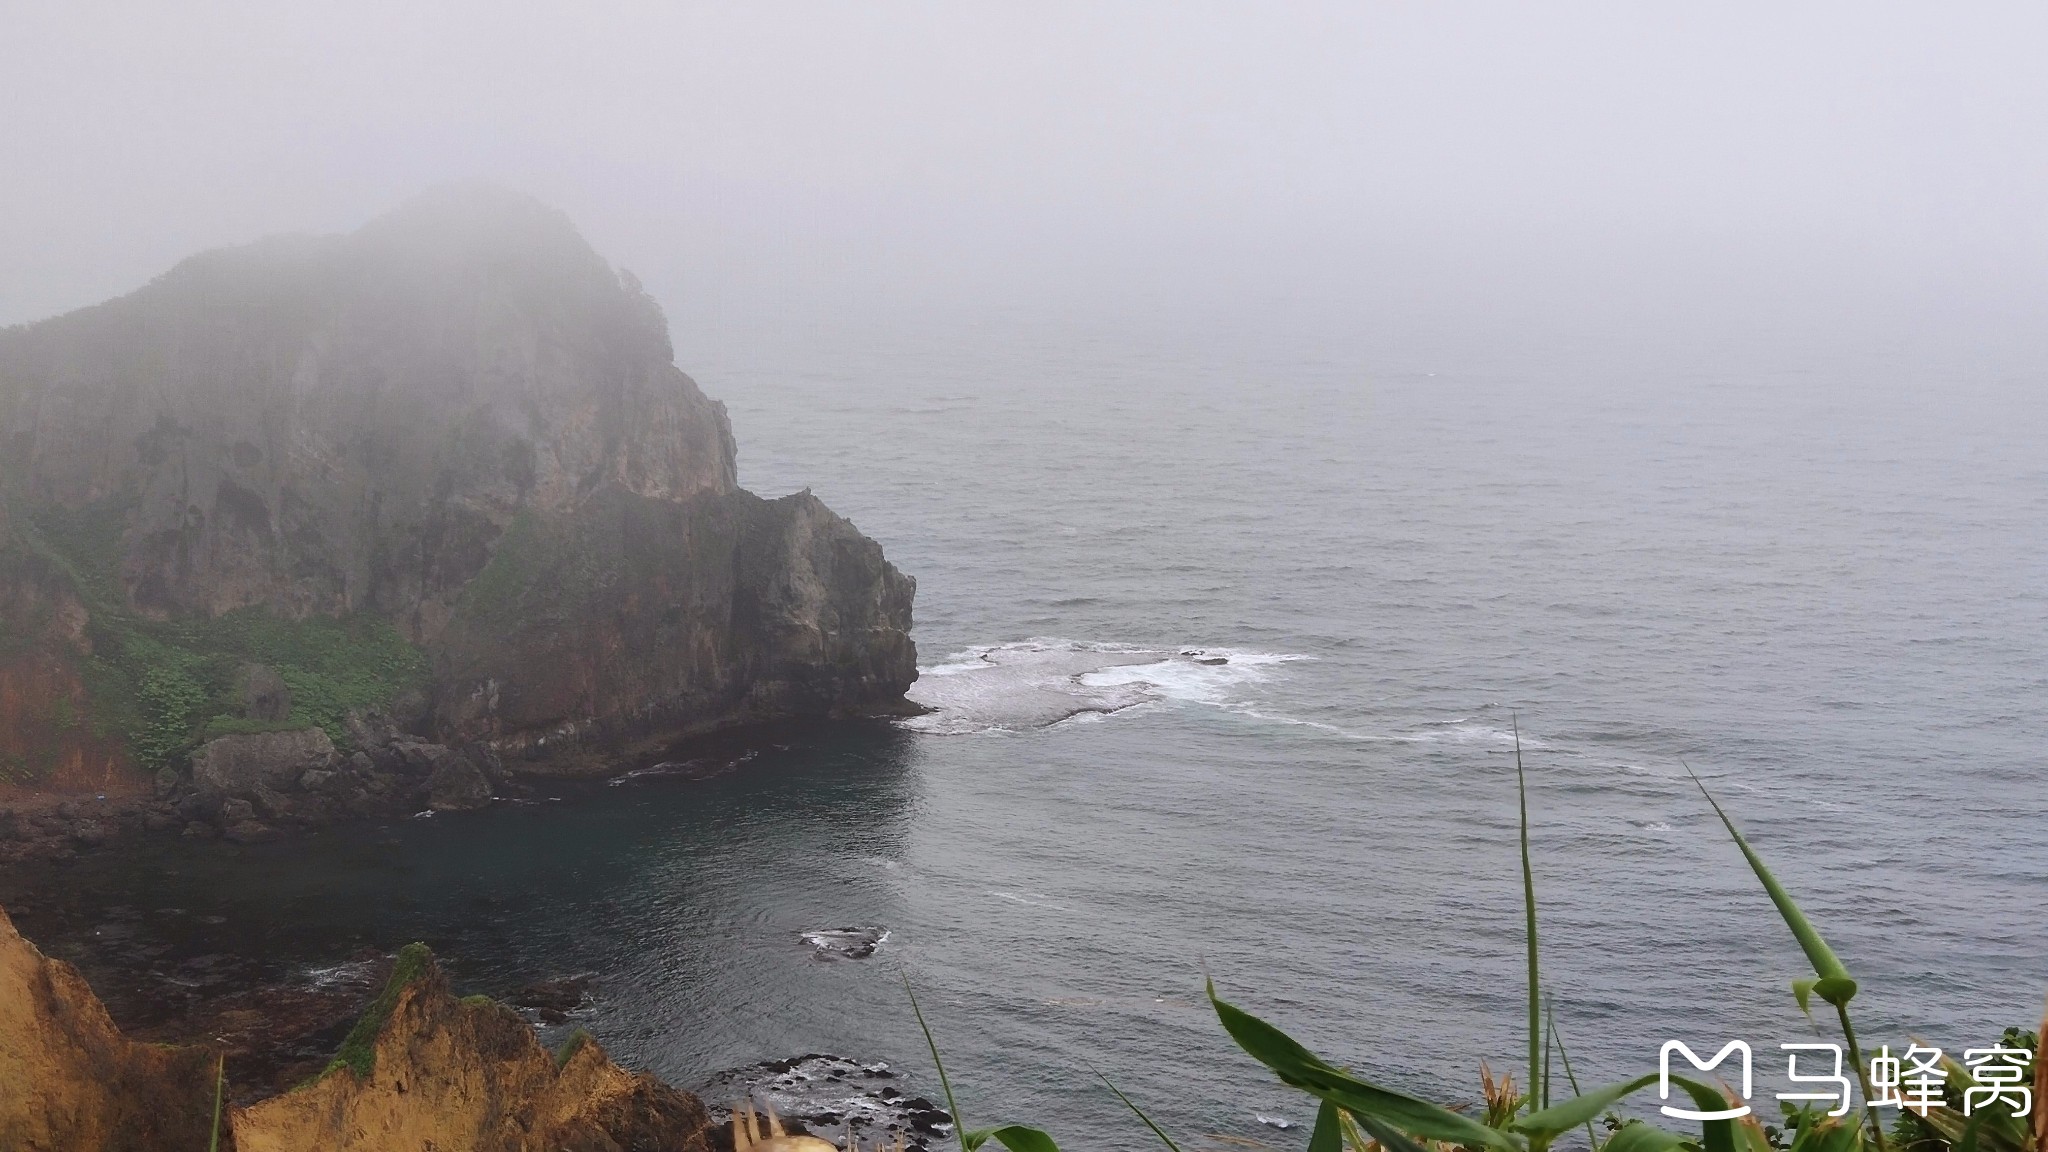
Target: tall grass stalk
1015	1137
220	1088
1832	981
1529	922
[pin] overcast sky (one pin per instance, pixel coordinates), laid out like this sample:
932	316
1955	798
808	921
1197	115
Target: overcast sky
748	157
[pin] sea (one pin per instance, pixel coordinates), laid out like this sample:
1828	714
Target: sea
1231	641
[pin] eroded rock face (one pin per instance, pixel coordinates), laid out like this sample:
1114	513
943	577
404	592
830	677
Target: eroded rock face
640	618
70	1082
470	1074
414	422
442	1073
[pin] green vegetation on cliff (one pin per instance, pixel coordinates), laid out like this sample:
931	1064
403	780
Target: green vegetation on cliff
162	686
358	1051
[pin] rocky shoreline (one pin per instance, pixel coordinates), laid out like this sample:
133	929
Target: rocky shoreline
377	1052
254	788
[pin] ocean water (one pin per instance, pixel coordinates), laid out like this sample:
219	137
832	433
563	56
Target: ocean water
1229	641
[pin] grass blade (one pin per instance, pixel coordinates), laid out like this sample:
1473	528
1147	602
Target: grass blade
1565	1057
1640	1137
1161	1132
1015	1137
952	1108
1389	1137
1550	1123
1329	1131
1529	919
1835	985
1298	1067
220	1085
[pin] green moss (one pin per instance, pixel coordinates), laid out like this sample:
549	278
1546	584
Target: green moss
478	1001
163	686
571	1046
521	557
358	1051
243	726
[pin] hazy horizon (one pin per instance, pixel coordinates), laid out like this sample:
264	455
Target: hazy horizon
1838	175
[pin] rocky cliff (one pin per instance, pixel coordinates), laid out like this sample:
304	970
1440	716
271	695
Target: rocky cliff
445	466
421	1070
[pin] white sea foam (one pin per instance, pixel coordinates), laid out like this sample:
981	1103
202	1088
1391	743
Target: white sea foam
1039	682
347	974
1031	899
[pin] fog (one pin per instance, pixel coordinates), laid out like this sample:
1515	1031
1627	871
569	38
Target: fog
1815	174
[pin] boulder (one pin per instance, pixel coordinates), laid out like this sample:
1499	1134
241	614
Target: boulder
265	695
237	764
370	728
458	785
236	811
274	805
421	759
250	832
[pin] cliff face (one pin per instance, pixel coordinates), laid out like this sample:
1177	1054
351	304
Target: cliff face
356	428
70	1081
421	1070
446	1073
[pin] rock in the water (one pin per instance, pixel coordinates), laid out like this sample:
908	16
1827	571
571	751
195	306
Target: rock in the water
237	764
845	943
562	995
458	785
250	832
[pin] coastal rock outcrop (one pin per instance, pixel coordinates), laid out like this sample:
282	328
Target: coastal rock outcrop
422	1069
241	764
70	1081
444	466
437	1072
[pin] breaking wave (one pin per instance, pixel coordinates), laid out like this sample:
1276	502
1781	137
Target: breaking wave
1040	682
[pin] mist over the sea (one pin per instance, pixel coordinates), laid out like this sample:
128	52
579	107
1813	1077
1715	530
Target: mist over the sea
1278	407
